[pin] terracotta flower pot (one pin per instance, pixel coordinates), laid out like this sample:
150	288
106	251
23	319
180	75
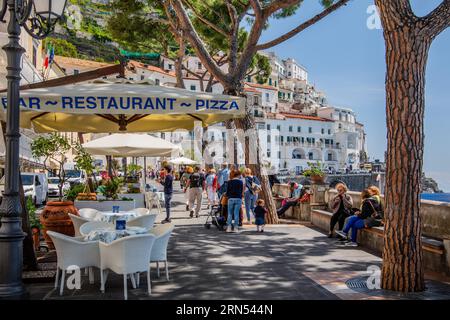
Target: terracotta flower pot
317	179
55	217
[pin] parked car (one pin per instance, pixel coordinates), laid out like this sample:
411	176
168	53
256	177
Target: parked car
53	189
75	176
35	185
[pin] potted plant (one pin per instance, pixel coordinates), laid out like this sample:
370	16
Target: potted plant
35	224
74	192
85	161
55	216
133	170
316	172
110	188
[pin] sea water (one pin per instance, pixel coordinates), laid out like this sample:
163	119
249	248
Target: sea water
442	197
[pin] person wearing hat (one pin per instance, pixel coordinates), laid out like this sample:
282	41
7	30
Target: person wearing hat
296	195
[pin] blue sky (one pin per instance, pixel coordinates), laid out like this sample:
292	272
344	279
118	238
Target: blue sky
346	60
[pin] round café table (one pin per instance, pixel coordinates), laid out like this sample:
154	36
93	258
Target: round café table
111	217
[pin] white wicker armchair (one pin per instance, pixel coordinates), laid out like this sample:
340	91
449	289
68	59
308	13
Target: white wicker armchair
73	252
141	211
77	221
126	256
86	228
146	221
159	250
88	213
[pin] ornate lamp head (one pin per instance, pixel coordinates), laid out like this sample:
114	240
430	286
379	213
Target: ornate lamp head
3	8
37	17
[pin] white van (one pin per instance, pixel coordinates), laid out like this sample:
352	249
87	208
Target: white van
35	185
75	176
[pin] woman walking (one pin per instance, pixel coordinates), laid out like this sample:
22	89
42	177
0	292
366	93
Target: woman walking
252	186
235	193
341	206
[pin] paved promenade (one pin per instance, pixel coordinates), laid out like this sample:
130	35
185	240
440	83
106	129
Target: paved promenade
288	261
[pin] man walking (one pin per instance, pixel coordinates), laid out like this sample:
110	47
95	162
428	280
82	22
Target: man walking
196	185
168	191
222	176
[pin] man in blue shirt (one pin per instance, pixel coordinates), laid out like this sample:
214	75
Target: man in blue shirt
222	177
168	191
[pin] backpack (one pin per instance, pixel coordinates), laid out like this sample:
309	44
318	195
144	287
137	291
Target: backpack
196	180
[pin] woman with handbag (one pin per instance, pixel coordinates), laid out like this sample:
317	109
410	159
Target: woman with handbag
252	187
369	216
341	206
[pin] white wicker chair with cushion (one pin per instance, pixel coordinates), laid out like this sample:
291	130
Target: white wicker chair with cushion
141	211
88	213
72	251
126	256
77	221
146	221
159	250
86	228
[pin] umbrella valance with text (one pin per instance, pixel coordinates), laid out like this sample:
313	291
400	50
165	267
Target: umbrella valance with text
110	107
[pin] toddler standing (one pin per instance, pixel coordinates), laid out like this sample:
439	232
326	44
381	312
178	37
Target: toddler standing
260	215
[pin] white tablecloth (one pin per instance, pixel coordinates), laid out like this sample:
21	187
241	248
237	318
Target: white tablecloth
109	235
111	217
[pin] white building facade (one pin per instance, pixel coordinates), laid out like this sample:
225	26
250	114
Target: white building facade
296	125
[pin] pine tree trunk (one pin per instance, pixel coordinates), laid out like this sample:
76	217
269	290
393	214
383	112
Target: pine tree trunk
247	123
406	57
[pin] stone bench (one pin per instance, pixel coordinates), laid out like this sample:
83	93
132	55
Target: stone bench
435	256
300	212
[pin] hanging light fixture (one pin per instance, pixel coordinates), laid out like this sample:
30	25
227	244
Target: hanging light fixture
37	17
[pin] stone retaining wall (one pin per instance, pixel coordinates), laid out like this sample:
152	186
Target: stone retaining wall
435	219
435	215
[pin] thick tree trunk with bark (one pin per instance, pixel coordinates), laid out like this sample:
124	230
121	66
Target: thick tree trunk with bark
405	103
252	151
408	39
239	62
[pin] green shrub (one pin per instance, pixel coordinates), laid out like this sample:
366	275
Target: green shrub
73	192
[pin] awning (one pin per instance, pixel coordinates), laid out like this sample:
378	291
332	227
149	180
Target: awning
106	106
132	145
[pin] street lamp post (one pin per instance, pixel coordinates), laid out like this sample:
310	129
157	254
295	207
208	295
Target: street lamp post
38	19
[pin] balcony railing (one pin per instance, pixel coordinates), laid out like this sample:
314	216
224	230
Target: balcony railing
309	145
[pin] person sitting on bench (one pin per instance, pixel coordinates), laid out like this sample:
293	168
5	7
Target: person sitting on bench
297	192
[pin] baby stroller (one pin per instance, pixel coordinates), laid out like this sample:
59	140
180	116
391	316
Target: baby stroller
216	218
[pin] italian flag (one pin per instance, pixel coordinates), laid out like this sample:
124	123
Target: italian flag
49	56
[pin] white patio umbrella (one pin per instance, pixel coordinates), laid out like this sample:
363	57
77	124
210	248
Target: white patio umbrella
132	145
183	161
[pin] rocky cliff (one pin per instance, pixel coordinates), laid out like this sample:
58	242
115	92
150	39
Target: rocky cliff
429	185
